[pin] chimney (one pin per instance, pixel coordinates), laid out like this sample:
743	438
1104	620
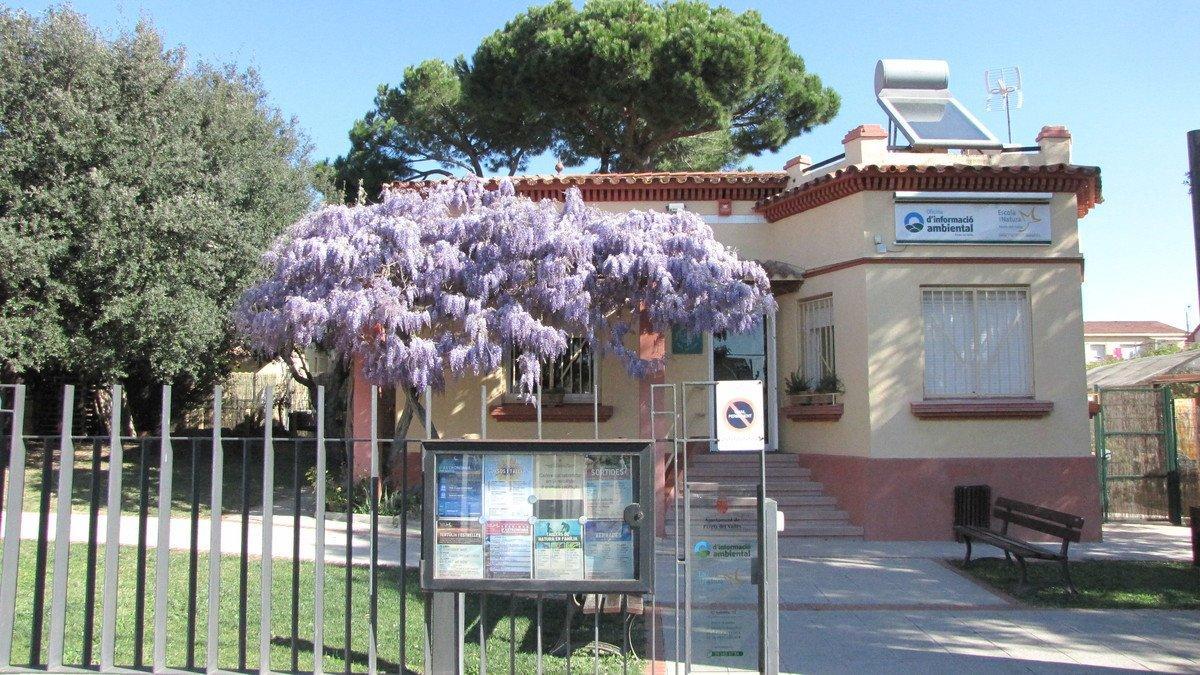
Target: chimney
866	144
1054	144
795	168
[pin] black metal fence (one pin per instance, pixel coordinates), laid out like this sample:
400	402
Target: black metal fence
105	591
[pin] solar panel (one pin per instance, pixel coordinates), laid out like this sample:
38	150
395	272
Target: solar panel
915	96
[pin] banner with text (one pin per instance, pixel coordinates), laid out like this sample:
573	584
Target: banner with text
972	223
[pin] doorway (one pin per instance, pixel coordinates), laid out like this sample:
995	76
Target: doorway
750	356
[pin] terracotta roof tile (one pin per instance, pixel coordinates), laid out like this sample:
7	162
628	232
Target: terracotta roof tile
1084	181
770	178
750	186
1129	328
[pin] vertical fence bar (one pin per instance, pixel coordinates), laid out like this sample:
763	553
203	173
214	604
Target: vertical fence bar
89	593
162	562
244	558
296	506
512	634
116	454
625	634
268	509
539	409
139	605
482	634
193	559
373	570
14	504
596	405
596	634
213	642
425	636
62	531
539	634
403	554
346	642
319	566
39	558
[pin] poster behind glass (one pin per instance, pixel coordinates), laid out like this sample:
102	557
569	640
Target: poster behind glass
534	516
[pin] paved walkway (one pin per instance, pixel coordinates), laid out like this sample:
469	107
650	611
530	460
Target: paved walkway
867	607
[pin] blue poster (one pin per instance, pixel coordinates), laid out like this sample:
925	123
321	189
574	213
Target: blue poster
558	549
608	549
508	486
460	486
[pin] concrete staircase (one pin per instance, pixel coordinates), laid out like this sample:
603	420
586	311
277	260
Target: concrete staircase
808	511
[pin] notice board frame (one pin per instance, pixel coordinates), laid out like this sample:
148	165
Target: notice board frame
643	532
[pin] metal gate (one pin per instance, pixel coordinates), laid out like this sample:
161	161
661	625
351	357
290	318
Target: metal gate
1137	456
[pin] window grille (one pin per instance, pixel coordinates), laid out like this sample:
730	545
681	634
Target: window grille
977	342
816	340
572	372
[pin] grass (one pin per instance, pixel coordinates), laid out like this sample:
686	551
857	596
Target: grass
389	628
1102	584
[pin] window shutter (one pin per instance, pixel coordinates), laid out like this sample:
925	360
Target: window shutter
977	342
816	339
949	342
1003	338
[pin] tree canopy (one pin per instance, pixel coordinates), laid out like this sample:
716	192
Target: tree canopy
137	194
445	280
631	85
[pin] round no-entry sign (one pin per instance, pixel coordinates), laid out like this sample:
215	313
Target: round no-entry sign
739	414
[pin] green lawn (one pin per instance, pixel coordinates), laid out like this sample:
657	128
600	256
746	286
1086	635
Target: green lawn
1102	584
389	629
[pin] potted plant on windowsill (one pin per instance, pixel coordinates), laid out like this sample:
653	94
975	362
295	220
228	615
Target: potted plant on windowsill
828	390
796	388
552	397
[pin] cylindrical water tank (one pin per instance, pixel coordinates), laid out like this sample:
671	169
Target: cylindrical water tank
911	74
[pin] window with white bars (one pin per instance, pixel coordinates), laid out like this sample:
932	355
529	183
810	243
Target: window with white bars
977	342
572	372
816	339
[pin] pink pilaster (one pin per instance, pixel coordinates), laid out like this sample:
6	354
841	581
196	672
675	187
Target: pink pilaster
652	345
360	420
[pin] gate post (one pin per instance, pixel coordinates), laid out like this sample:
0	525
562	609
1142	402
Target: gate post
768	590
1174	491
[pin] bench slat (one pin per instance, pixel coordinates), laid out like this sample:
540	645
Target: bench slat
1053	529
1067	519
1022	548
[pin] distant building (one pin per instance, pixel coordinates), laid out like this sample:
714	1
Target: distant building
1127	339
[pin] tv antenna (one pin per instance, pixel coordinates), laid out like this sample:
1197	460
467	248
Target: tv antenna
1004	89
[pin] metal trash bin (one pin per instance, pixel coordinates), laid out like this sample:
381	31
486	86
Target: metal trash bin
972	506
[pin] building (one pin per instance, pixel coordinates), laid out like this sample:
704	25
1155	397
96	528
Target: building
1127	339
938	278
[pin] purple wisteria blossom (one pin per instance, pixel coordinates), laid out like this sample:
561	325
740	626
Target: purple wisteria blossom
443	280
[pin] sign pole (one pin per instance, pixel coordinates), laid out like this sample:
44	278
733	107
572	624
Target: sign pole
445	614
1193	145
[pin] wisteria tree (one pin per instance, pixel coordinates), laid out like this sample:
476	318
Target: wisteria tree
440	281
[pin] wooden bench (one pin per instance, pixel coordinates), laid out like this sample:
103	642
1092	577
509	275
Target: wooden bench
1057	524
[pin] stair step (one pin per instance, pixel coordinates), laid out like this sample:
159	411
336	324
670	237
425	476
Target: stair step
807	530
802	513
775	488
792	500
739	459
745	471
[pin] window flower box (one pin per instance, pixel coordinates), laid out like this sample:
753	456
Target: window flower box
814	412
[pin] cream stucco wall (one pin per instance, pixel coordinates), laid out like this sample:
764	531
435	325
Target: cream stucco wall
896	365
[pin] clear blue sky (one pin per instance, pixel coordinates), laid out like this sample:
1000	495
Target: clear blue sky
1122	76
